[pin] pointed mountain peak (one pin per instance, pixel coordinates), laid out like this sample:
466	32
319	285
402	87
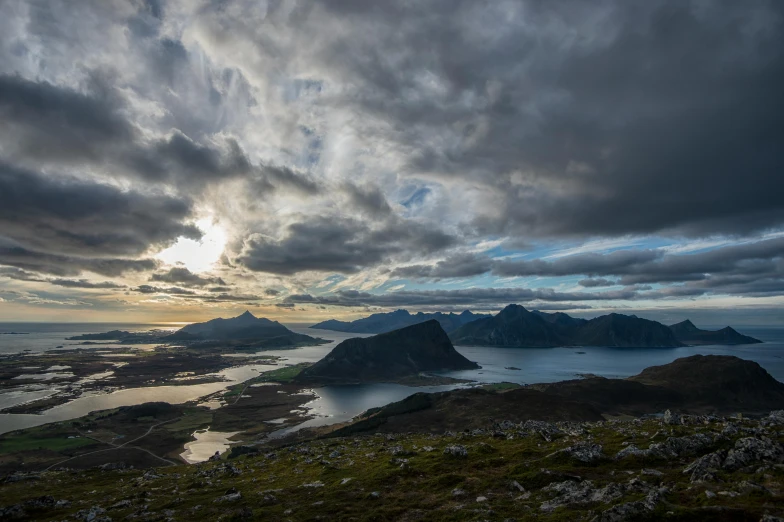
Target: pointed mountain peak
246	315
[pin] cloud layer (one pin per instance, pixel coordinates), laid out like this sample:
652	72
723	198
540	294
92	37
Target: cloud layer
348	154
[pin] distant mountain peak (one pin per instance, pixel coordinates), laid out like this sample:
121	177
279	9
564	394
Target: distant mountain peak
246	315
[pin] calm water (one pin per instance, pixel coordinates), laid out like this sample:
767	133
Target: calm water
341	403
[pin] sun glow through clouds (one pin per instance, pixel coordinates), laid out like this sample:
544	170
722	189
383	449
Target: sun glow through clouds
197	256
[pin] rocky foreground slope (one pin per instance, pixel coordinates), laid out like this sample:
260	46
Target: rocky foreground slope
674	468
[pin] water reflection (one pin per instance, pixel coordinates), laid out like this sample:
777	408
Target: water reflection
207	443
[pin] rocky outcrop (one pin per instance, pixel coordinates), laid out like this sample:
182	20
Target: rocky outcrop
424	347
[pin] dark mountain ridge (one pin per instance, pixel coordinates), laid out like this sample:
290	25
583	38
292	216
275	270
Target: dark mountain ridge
687	333
514	326
386	322
389	356
243	327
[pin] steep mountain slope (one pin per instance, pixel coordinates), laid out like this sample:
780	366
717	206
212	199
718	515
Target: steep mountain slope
513	326
624	331
388	356
687	333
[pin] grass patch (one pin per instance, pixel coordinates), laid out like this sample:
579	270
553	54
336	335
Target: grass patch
14	444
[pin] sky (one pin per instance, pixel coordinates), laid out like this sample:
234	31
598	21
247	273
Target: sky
176	160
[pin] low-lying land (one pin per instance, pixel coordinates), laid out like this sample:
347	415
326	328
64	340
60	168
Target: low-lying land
81	370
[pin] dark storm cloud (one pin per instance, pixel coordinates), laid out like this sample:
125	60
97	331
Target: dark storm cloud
180	274
596	282
338	245
467	297
19	274
41	119
42	122
282	176
180	160
368	199
84	283
727	267
456	266
72	216
16	255
599	120
172	290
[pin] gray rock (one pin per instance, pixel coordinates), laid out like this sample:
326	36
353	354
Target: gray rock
631	450
776	418
456	450
628	510
704	468
587	452
671	418
749	450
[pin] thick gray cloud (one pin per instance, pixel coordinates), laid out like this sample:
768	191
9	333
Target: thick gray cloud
68	215
338	245
610	119
15	255
368	199
173	290
728	267
394	140
463	297
180	274
84	283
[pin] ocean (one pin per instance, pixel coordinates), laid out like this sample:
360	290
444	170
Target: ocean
340	403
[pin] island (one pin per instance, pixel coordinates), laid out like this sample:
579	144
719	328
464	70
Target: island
388	357
386	322
516	327
245	332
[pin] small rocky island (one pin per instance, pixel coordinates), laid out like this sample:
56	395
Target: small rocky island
389	357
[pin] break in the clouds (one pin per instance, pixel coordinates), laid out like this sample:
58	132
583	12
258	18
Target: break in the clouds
170	156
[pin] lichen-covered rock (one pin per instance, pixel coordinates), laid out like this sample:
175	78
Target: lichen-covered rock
681	446
587	452
629	451
628	510
749	450
456	450
776	418
704	468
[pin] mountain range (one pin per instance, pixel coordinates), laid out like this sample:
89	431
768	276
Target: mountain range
386	322
514	326
390	356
